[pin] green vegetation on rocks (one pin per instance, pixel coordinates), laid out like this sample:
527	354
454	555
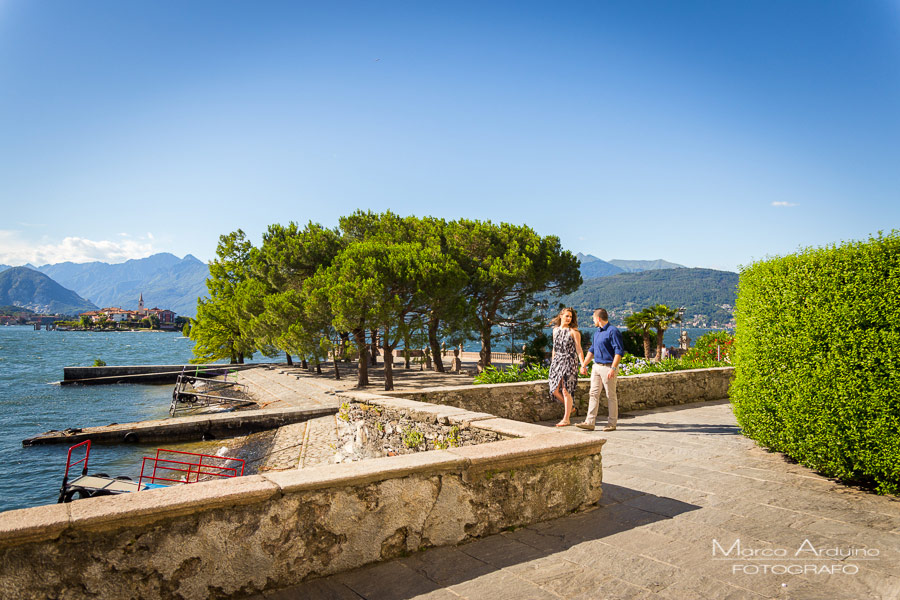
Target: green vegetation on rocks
817	361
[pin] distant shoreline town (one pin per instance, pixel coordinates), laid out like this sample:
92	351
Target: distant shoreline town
111	318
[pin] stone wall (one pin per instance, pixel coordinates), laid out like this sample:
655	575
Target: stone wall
530	401
241	536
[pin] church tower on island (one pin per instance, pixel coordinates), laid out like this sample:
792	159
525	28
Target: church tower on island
141	303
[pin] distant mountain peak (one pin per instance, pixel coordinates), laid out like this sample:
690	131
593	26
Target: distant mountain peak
164	279
636	266
31	289
586	258
592	267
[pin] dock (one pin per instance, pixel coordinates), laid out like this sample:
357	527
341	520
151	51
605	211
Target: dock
144	373
180	429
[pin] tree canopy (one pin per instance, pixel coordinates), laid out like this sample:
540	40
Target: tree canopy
304	291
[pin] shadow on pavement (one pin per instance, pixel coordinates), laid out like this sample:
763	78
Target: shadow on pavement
428	573
704	428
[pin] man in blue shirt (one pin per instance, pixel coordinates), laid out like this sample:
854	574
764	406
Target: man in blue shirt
606	350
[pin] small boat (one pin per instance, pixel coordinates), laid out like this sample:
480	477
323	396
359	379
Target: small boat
166	468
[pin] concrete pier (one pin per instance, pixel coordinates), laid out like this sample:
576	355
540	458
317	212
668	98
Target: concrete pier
199	427
142	373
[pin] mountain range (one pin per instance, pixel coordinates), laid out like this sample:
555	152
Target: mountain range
707	295
592	267
164	280
25	287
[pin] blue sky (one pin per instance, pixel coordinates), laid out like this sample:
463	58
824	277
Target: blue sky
710	134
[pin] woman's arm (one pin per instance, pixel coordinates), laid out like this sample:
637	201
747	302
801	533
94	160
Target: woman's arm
577	335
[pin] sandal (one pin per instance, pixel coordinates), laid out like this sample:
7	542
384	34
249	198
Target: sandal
561	424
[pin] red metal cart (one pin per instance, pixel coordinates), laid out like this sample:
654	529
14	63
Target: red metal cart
168	467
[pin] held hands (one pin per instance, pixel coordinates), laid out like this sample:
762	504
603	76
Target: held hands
583	370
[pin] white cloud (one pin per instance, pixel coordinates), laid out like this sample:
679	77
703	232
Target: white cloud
17	251
780	204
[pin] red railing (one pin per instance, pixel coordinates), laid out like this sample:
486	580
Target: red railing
69	463
186	467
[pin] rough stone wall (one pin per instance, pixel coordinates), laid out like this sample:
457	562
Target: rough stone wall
283	537
531	402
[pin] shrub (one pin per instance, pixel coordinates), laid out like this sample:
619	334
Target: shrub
630	365
715	348
817	359
512	374
536	350
99	363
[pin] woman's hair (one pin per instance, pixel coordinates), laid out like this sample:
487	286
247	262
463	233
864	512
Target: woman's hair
557	320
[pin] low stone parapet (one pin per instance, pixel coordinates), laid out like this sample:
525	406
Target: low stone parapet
245	535
530	401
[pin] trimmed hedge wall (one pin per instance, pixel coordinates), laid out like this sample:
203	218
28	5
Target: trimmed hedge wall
817	363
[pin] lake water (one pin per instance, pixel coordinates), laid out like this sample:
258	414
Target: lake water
32	403
670	337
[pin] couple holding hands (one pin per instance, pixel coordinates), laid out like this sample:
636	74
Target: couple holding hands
605	352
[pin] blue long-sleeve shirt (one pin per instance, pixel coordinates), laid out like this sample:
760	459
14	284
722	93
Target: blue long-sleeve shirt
606	343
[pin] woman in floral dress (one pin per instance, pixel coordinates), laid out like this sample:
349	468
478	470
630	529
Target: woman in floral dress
567	355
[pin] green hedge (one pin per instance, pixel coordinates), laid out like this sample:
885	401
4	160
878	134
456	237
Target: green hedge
817	359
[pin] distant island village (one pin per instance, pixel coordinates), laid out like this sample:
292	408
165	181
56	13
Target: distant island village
112	318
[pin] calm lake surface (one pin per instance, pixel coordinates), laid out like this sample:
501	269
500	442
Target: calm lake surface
32	403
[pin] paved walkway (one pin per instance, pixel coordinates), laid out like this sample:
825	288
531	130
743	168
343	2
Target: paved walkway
284	386
313	442
678	482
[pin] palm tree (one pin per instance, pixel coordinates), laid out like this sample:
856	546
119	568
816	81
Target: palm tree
663	318
641	323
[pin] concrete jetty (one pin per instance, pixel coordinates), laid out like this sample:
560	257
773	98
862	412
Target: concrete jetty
283	400
191	428
143	373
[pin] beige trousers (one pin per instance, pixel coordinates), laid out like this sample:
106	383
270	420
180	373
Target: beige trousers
598	380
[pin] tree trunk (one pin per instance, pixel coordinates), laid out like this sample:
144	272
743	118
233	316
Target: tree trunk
485	360
318	367
304	364
345	341
647	345
290	361
387	352
659	343
337	371
374	348
362	378
433	325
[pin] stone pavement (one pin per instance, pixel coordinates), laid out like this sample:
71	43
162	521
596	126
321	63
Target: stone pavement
681	486
313	442
281	386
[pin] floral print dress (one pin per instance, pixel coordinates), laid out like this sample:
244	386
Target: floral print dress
564	367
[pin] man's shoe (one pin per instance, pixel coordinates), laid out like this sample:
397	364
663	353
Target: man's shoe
585	426
608	428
